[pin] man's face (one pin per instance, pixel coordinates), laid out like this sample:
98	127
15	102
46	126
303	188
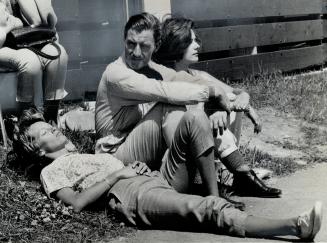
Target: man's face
49	138
139	48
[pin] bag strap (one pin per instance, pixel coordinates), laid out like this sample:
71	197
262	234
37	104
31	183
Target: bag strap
42	54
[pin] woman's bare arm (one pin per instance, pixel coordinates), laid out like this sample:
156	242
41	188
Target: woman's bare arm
79	200
30	12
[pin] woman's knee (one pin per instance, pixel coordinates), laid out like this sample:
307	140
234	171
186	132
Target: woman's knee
63	55
28	62
198	116
52	51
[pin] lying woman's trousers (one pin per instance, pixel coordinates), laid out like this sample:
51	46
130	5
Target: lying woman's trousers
38	78
150	201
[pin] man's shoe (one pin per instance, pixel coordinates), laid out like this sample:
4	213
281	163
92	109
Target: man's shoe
309	223
248	184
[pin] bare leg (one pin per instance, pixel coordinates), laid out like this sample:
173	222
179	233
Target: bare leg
263	227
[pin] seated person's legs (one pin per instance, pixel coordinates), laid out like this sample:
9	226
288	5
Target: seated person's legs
54	78
245	180
146	141
191	148
29	70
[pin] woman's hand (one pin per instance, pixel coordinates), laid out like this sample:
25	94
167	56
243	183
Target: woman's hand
242	101
132	170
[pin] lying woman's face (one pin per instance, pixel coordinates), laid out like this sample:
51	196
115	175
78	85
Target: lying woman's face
49	138
192	51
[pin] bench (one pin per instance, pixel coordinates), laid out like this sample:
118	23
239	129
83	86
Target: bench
8	86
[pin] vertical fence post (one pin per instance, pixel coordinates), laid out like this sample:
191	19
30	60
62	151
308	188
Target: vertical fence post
324	28
3	130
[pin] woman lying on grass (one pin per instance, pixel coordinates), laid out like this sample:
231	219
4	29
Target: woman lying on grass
143	197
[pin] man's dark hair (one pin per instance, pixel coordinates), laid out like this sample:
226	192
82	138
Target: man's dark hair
175	39
144	21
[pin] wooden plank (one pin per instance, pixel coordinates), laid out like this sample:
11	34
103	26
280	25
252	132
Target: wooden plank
242	36
101	11
8	87
325	28
286	60
71	41
83	80
324	6
66	11
324	49
228	9
101	43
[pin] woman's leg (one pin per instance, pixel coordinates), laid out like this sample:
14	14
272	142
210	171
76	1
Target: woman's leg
245	180
191	148
28	65
152	202
54	78
305	226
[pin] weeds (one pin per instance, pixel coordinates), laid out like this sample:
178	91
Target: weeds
279	166
302	95
26	214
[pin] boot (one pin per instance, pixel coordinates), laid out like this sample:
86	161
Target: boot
51	108
248	184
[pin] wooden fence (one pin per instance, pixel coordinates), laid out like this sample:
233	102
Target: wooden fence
92	33
245	37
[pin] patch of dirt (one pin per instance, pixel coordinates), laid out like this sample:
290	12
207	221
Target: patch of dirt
284	135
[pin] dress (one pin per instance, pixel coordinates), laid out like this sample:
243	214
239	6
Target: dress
144	200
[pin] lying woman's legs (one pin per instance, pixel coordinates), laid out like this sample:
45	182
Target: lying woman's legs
305	226
152	202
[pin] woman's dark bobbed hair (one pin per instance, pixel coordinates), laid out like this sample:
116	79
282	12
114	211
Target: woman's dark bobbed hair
175	38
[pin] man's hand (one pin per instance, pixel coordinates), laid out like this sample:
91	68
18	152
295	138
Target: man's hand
219	121
132	170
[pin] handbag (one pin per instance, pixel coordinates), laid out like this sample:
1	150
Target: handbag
33	38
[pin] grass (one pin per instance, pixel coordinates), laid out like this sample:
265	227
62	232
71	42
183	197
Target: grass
304	96
279	166
27	215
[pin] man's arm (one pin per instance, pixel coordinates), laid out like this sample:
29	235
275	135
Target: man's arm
136	88
79	200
